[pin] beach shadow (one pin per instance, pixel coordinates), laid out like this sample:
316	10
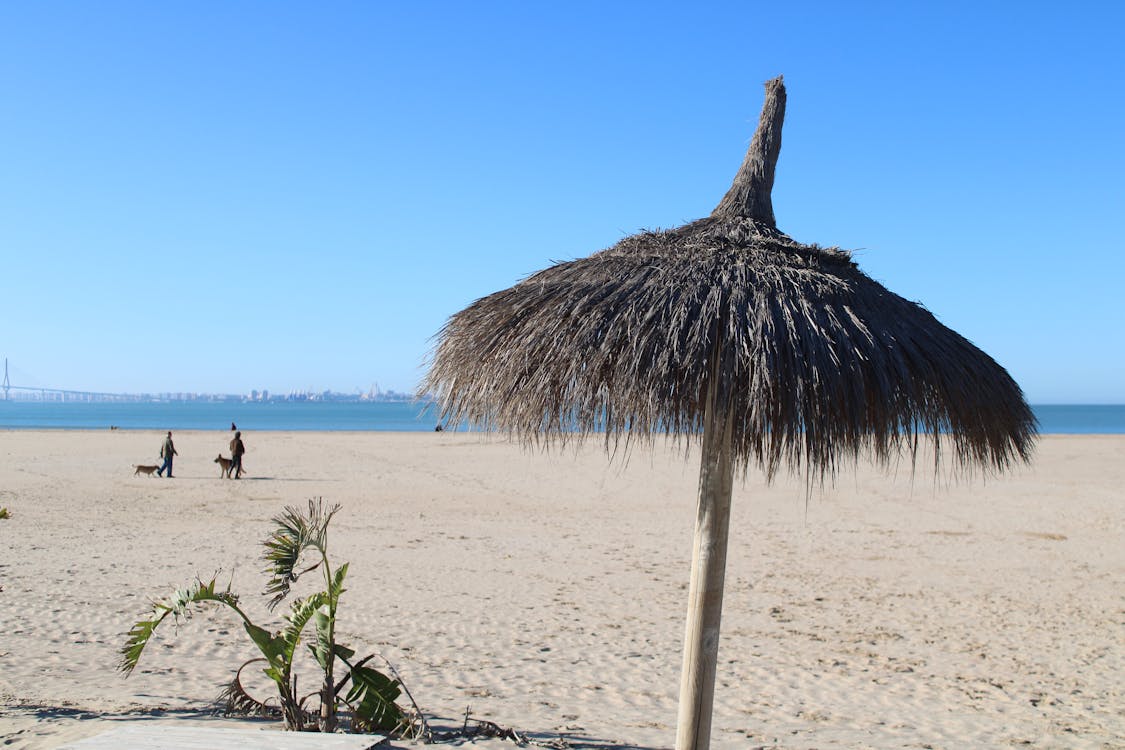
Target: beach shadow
43	711
245	478
590	743
445	734
455	733
285	479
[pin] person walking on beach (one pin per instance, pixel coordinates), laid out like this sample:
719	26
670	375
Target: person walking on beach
166	452
236	451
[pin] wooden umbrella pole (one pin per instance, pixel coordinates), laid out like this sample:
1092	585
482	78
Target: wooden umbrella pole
749	197
708	571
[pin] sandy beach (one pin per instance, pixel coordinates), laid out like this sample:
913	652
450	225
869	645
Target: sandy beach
546	591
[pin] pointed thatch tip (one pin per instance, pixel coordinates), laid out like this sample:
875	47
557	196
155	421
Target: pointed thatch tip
750	195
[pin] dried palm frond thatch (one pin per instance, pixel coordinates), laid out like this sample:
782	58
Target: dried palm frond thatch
774	353
814	360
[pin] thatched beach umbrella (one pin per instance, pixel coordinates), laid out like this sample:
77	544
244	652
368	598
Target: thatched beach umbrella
772	353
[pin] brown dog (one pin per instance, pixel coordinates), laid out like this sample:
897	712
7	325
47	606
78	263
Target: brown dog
224	466
141	469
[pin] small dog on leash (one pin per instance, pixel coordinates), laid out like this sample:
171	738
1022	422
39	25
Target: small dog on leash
142	469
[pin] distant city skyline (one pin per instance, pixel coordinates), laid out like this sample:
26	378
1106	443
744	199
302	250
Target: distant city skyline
17	392
254	195
373	390
47	395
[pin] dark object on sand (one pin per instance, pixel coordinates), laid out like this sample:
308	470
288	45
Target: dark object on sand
237	449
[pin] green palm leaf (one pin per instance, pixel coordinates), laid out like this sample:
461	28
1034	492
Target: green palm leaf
325	618
295	532
336	588
372	697
299	615
270	644
177	606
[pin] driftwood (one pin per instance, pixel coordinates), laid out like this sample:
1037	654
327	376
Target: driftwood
481	728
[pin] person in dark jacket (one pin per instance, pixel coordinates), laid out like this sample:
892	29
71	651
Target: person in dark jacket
236	451
166	452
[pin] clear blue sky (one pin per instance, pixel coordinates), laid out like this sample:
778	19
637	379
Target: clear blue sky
225	196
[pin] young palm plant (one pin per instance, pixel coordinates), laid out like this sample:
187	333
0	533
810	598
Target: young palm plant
298	538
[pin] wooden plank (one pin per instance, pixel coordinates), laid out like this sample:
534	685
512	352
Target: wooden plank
162	736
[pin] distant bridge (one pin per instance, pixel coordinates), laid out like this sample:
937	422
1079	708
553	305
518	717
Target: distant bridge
29	393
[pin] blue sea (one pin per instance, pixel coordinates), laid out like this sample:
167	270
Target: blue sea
384	416
378	416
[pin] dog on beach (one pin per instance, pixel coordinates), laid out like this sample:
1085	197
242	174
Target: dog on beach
142	469
224	466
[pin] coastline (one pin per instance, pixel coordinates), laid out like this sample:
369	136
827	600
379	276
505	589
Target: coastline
376	416
546	590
